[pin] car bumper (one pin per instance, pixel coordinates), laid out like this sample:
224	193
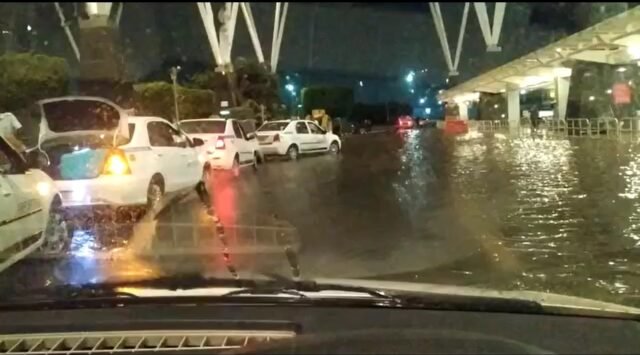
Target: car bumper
273	149
220	160
114	191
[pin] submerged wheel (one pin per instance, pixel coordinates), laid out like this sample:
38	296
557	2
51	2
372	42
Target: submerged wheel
292	152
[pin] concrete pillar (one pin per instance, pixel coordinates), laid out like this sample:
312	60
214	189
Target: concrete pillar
463	110
513	106
561	88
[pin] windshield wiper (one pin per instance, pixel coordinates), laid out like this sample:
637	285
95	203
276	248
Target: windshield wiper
282	285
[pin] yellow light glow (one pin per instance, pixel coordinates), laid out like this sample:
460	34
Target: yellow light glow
634	51
43	188
116	165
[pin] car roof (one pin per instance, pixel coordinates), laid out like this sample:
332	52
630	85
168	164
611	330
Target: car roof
206	119
142	119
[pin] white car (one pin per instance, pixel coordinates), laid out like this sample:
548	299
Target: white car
293	137
101	157
31	220
226	146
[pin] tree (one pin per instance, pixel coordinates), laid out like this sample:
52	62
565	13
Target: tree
156	98
252	82
26	78
336	101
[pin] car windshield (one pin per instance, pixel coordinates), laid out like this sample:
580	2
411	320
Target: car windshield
273	126
348	140
209	127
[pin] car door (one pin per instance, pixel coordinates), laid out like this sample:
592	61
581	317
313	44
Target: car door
21	211
188	159
240	142
318	137
168	159
303	137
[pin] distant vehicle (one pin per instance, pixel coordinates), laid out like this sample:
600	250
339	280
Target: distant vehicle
101	157
226	146
405	122
291	138
359	127
31	220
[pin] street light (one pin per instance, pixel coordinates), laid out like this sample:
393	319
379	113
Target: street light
422	100
409	77
173	72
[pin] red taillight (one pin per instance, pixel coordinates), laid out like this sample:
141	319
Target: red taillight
220	143
276	138
116	163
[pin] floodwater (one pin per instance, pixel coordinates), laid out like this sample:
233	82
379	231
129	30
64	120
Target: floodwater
484	209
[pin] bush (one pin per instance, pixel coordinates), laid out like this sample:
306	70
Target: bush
26	78
156	99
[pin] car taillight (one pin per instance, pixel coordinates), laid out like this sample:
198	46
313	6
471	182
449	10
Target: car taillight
116	163
220	143
276	138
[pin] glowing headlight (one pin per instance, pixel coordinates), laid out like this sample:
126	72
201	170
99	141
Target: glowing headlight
43	188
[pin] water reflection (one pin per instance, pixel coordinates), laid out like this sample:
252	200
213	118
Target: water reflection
553	214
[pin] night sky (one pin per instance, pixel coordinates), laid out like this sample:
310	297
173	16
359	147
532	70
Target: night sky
385	39
381	39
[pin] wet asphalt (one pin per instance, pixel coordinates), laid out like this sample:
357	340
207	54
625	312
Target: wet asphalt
484	209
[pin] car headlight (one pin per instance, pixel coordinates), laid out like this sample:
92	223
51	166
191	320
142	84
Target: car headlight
43	188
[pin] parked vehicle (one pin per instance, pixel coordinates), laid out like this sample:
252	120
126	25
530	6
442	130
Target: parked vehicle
101	157
226	145
405	122
359	127
31	222
293	137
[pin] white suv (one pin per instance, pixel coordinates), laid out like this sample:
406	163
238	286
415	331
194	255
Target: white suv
293	137
31	221
101	157
226	146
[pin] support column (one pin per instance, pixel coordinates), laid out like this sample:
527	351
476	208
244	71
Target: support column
561	88
102	67
513	108
463	110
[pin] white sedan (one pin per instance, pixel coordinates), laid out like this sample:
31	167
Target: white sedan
31	221
101	157
226	146
293	137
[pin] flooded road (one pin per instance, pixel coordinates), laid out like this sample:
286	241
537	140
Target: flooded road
556	215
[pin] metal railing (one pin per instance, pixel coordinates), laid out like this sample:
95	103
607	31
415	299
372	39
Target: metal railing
488	125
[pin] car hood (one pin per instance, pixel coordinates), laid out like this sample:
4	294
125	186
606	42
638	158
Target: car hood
80	115
557	302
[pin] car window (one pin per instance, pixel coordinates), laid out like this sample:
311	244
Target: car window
163	135
9	159
206	127
315	129
301	128
5	163
237	130
273	126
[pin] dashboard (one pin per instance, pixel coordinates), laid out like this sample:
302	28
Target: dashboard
240	328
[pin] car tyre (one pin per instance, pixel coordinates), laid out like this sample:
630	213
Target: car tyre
154	194
256	161
334	147
292	152
57	235
235	167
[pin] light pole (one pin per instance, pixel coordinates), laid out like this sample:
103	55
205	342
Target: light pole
291	89
173	72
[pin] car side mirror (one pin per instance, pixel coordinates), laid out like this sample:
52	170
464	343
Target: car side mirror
251	136
197	142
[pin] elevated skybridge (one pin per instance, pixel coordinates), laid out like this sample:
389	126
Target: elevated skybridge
614	41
